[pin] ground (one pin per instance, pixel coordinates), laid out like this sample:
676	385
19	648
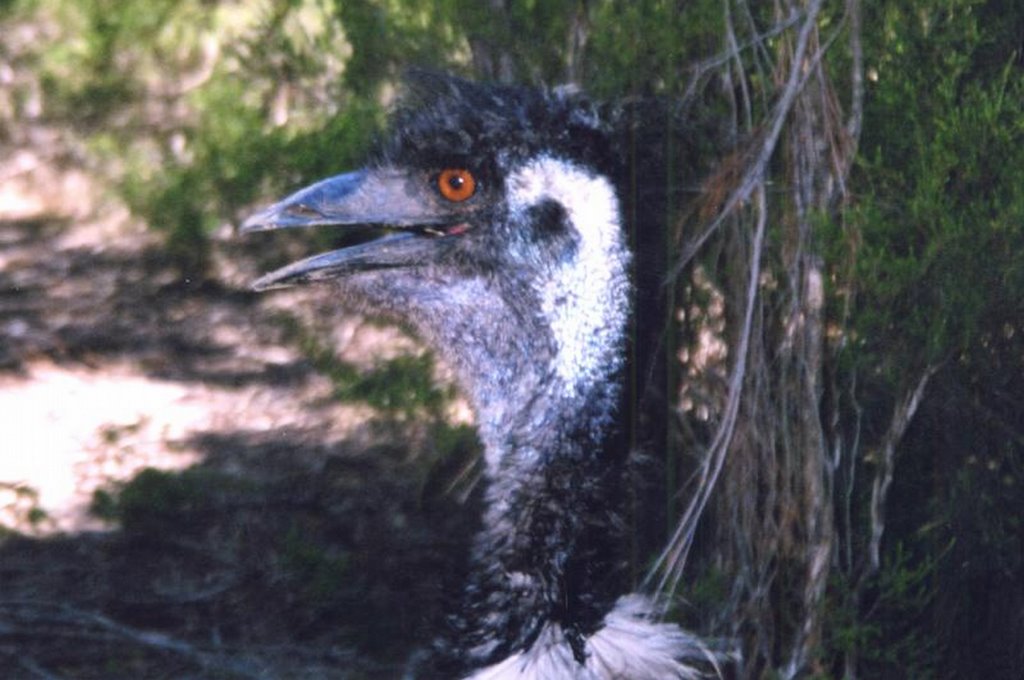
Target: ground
198	481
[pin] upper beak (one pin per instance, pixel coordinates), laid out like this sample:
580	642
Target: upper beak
331	201
377	197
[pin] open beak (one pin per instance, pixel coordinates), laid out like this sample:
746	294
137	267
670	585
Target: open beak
388	198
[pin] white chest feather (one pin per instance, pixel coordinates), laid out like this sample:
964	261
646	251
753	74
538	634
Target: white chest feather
629	646
584	298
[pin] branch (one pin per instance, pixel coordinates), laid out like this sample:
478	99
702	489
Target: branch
902	414
853	126
579	33
31	615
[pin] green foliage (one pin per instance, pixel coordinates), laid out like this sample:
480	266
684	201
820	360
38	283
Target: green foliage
941	215
885	634
455	441
157	501
402	386
8	7
197	110
846	631
905	590
648	46
389	35
937	277
704	593
22	505
112	52
314	572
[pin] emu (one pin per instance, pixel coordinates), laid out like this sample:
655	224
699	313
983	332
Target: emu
509	252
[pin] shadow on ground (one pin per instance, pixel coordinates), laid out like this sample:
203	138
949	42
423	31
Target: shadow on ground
247	565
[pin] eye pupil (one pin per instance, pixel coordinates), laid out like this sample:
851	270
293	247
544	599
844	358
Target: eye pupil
456	184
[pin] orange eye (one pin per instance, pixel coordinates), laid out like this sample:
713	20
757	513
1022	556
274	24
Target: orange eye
456	184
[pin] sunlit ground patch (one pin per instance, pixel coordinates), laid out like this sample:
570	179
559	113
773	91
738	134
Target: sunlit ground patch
70	431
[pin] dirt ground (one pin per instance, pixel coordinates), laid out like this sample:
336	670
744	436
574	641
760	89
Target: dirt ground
182	492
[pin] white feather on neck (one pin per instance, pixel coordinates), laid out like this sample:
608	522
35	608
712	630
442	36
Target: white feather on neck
586	299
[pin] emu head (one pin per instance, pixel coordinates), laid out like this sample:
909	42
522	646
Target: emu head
505	248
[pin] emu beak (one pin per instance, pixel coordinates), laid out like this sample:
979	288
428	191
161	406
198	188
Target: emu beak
389	198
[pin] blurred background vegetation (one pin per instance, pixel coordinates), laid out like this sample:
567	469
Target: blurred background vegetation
194	111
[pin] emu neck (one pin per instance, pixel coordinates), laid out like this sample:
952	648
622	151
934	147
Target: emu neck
547	552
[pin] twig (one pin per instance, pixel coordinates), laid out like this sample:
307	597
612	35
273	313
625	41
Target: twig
37	671
705	66
45	613
756	169
672	560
